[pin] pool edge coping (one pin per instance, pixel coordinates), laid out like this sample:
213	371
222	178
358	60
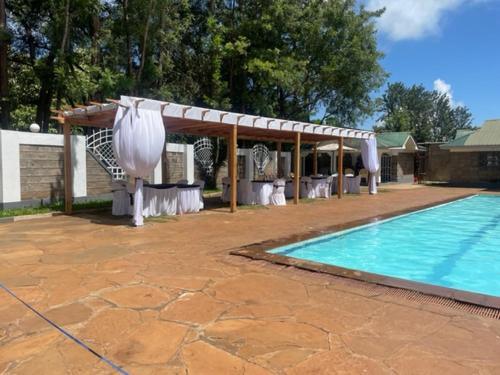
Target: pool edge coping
259	251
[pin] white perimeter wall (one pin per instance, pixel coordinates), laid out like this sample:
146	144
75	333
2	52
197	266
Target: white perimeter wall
10	167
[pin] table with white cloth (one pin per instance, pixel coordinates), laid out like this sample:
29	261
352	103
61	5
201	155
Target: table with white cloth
160	199
318	184
188	198
262	191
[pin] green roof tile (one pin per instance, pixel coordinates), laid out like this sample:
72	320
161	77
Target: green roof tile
487	135
392	139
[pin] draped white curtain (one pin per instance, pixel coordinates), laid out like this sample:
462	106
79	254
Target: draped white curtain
370	162
138	141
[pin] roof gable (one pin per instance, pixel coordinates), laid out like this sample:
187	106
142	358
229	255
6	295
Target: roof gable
392	139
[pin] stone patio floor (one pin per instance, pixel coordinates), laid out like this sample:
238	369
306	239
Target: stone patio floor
169	299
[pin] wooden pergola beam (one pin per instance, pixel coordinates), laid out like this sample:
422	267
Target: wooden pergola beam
296	169
233	166
68	178
340	169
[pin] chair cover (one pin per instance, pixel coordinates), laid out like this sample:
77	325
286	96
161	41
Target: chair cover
138	142
306	188
160	201
326	188
262	192
370	162
188	199
182	182
289	189
201	184
352	185
245	192
225	189
319	185
278	194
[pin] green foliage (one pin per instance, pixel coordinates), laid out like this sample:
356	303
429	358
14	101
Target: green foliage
285	58
428	115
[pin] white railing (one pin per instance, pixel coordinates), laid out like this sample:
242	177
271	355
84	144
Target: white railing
100	144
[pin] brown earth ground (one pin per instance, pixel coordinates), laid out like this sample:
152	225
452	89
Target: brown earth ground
169	299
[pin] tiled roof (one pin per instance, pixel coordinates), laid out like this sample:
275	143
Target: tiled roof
487	135
392	139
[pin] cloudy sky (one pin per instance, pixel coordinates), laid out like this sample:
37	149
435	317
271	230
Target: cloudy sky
449	45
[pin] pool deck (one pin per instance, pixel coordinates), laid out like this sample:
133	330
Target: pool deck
170	299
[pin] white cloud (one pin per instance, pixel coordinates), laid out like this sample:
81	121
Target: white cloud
445	88
412	19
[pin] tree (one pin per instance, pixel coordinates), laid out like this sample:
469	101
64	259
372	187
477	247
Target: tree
4	78
284	58
428	115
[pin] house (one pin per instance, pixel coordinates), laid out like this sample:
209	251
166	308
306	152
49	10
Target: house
472	158
396	152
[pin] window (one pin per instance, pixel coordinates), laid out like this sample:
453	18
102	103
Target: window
489	159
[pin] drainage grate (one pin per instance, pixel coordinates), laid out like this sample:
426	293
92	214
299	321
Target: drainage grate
410	295
414	296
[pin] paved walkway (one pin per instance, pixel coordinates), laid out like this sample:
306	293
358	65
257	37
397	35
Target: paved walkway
168	299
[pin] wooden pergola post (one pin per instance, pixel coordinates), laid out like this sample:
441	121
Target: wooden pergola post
233	166
68	178
280	170
315	159
296	176
340	169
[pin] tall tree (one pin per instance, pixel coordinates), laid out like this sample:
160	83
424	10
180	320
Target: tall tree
4	78
428	115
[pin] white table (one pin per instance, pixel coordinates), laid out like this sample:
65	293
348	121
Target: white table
188	198
262	191
160	200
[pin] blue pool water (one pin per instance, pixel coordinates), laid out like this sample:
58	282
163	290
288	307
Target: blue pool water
456	245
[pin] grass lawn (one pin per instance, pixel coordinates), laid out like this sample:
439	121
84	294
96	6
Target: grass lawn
55	207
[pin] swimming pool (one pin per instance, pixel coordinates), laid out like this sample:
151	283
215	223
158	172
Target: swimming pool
455	245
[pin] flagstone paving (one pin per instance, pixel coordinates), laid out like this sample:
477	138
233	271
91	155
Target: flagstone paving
169	299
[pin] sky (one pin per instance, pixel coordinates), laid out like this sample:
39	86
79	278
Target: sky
452	46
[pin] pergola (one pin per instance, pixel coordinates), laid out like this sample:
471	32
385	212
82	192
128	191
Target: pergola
184	119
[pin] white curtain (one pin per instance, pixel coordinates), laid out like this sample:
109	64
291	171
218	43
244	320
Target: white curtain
138	141
370	162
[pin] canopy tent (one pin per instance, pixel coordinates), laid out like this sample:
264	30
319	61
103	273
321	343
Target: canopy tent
184	119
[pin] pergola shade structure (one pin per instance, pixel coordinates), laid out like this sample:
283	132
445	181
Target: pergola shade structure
184	119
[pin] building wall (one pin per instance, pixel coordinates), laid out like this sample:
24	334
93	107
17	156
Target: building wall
405	167
459	167
41	172
99	181
174	167
437	164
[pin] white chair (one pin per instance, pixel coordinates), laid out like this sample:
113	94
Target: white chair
201	184
225	189
278	194
306	188
182	182
326	189
245	194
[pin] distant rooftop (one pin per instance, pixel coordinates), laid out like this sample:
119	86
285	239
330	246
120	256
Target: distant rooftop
392	139
487	135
